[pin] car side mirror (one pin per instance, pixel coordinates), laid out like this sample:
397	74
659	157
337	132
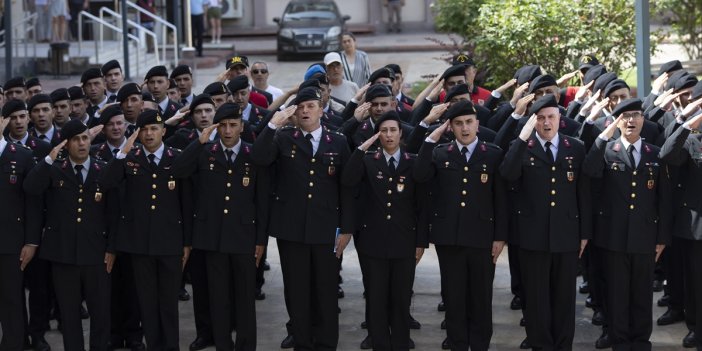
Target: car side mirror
346	18
276	20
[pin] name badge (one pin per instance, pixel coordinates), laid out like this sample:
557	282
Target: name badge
98	196
571	176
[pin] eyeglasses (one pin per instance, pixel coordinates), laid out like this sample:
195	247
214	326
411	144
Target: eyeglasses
631	115
259	71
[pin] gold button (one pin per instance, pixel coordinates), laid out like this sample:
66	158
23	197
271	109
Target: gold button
311	172
226	198
80	210
631	207
154	176
553	192
80	191
389	179
153	186
633	183
464	193
229	171
389	204
465	180
313	160
553	180
553	168
309	196
19	219
311	184
465	168
553	204
634	173
80	200
388	217
153	197
226	211
229	185
463	204
78	219
389	192
153	207
633	195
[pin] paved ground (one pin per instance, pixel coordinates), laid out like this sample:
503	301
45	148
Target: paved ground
271	312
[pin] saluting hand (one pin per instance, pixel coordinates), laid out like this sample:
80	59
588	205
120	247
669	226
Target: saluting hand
519	93
109	261
418	254
26	255
341	242
608	133
258	254
587	107
280	118
361	93
583	91
361	112
659	100
497	247
207	132
436	91
693	123
566	77
597	110
438	132
367	144
525	134
660	82
222	76
436	112
521	107
177	117
3	124
130	142
583	244
94	131
510	83
57	150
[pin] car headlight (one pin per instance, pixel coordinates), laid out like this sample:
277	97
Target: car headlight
333	32
287	33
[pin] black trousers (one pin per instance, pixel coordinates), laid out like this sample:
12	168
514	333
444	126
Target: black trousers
312	277
37	279
388	300
673	270
260	280
72	283
515	272
11	303
630	295
469	274
198	23
125	314
227	274
692	263
549	283
201	298
158	282
598	278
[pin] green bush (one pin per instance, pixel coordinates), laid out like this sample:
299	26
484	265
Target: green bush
686	22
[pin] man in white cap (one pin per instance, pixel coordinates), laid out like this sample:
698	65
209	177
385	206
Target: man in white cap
341	89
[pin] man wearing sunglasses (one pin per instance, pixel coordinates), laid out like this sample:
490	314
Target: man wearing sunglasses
259	75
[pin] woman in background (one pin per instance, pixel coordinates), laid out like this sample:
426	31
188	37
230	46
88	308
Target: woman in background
355	62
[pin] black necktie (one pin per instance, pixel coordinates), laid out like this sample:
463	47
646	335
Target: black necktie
549	153
630	152
79	173
464	151
184	101
391	165
112	98
152	160
115	151
229	153
43	137
309	140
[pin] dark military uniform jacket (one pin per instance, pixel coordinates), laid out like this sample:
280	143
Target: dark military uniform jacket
20	213
468	197
553	206
309	203
635	209
392	222
231	208
55	139
76	229
156	211
39	148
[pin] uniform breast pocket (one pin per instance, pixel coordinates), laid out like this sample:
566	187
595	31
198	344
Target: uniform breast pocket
616	166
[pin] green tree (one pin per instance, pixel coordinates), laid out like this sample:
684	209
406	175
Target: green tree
686	22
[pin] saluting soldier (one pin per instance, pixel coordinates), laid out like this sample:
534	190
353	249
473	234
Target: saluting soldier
155	224
14	89
202	111
241	93
553	222
18	123
157	82
392	230
75	238
21	225
230	222
309	207
114	128
635	224
469	222
93	83
42	117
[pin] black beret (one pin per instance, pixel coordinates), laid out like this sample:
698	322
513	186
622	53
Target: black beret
627	105
32	82
59	94
614	85
72	128
228	110
593	73
673	78
602	81
394	67
587	61
216	88
181	70
237	60
13	106
172	84
199	100
388	116
237	83
110	65
685	82
322	78
461	108
462	59
376	91
16	82
128	90
147	96
670	66
76	93
38	99
542	81
543	102
696	91
156	71
454	71
307	94
149	117
312	82
90	73
109	112
527	74
460	89
383	72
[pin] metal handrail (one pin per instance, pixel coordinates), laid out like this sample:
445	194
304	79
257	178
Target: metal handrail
108	25
134	24
166	24
31	27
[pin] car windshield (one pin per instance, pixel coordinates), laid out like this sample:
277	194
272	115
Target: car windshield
310	11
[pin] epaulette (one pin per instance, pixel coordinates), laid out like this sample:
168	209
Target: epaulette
287	128
443	145
13	148
27	147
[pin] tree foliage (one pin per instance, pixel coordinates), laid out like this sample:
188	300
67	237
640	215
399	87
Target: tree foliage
505	34
686	22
